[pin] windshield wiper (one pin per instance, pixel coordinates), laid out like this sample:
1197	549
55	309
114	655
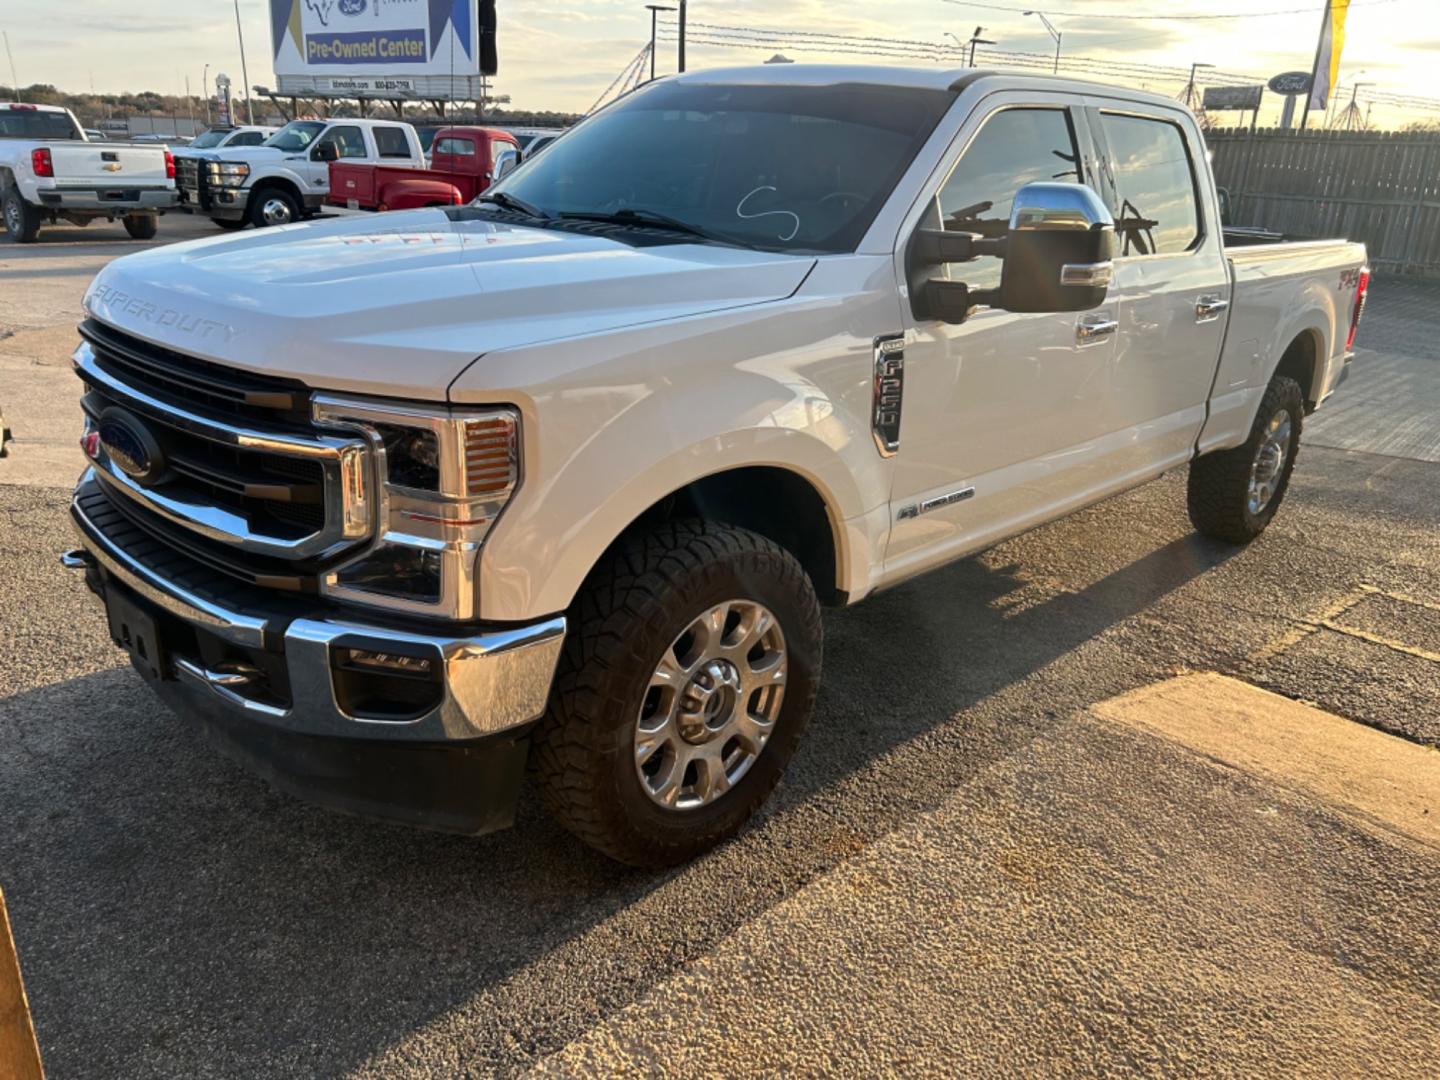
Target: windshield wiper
510	202
655	220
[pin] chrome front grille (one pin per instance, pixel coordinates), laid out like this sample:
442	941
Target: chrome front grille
246	484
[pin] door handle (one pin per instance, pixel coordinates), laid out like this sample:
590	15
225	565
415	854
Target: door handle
1208	308
1092	328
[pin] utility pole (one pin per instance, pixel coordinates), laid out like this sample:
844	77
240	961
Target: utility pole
976	39
205	89
15	78
1191	97
244	73
1053	33
681	57
655	10
190	101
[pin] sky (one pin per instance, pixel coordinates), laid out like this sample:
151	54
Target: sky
563	54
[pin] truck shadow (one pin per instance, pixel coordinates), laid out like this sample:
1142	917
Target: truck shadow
176	917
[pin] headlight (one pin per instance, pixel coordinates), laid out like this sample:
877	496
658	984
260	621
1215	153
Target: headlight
446	474
227	173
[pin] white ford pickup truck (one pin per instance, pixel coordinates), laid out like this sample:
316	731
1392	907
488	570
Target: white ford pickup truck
287	177
398	507
50	171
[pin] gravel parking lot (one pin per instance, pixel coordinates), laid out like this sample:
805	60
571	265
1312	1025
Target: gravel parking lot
979	863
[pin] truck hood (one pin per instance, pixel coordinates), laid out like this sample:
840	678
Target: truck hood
401	303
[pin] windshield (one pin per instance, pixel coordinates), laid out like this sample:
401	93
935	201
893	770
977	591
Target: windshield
782	168
207	139
296	135
35	124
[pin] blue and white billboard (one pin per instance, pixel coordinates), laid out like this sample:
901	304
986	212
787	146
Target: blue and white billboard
379	46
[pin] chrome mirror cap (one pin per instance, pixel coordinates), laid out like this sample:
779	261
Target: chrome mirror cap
1052	206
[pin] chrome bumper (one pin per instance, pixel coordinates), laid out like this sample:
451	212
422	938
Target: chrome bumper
492	682
94	200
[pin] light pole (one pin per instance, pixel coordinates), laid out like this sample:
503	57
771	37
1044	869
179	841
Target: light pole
976	39
205	89
1053	33
680	58
244	73
655	10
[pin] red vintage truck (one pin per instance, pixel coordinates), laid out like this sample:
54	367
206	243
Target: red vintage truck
464	162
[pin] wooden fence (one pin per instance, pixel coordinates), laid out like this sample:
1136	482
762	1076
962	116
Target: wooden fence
1381	188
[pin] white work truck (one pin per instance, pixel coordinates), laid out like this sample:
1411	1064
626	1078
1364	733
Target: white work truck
287	177
50	171
397	507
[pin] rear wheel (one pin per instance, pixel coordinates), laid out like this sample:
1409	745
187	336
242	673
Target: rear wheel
142	226
685	684
273	206
22	221
1233	494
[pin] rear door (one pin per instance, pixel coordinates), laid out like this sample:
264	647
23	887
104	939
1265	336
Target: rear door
1171	281
1004	415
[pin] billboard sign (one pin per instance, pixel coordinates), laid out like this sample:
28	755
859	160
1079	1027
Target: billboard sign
375	42
1233	97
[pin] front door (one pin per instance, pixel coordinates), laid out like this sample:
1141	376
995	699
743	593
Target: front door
1004	416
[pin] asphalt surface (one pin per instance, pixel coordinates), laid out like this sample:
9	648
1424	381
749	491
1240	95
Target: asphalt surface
967	870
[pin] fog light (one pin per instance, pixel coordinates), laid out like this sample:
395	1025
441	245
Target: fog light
407	665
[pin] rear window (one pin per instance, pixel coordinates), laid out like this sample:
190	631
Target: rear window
34	124
391	142
462	147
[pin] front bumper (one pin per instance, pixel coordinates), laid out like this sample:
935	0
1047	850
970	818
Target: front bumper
273	687
109	200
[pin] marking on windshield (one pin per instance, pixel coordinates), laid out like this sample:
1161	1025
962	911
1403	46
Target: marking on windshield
740	212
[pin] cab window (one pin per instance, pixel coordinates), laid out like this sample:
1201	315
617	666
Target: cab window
455	147
1015	147
248	138
349	141
390	142
1159	213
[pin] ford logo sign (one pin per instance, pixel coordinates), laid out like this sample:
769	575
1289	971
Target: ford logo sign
352	7
130	446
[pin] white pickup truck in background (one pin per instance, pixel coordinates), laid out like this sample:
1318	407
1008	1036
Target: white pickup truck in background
562	478
287	177
50	171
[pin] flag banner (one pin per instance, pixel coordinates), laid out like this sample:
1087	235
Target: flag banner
1327	56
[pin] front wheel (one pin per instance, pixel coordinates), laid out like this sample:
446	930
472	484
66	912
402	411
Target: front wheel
273	206
230	224
22	221
1233	494
142	226
684	686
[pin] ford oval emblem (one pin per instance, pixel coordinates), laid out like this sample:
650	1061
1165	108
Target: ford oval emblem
130	446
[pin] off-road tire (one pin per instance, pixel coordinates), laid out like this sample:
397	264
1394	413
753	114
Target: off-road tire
1219	488
141	226
22	221
630	610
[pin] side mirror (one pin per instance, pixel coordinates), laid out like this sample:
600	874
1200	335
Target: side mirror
1058	250
326	151
505	164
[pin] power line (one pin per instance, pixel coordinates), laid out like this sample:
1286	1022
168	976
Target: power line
1165	18
802	40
